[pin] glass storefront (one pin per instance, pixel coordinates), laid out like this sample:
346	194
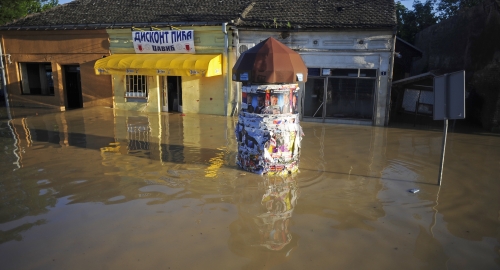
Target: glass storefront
350	94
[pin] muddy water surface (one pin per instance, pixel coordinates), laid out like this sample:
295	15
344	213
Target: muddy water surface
104	189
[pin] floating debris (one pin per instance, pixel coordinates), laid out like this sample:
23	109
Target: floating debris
414	190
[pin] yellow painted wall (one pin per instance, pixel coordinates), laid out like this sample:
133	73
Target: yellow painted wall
122	103
203	95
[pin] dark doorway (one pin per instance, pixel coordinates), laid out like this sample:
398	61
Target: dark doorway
73	87
314	97
174	88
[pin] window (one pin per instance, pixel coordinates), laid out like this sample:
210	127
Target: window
372	73
137	86
313	71
350	98
349	72
418	101
344	72
36	79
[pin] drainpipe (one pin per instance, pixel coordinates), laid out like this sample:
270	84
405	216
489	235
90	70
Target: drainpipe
389	80
4	83
236	87
226	77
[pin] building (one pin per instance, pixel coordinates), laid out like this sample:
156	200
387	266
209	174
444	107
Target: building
55	69
348	47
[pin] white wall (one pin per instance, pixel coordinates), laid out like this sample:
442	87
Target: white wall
340	49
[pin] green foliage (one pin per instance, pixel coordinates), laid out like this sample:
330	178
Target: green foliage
410	22
425	14
448	8
15	9
10	10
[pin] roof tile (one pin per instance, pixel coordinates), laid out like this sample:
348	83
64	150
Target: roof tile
245	13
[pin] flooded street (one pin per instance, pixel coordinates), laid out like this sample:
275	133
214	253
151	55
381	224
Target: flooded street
105	189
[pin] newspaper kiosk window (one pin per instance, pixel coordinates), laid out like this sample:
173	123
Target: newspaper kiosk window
36	79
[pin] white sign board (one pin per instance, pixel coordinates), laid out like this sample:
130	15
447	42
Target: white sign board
449	96
181	41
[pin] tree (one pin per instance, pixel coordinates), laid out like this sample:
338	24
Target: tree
15	9
448	8
410	22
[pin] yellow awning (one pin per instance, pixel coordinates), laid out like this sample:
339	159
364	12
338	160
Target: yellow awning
206	65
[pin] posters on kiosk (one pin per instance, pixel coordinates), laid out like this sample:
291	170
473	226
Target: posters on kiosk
270	99
268	131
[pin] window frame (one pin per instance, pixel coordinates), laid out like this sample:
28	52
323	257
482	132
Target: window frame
44	78
136	87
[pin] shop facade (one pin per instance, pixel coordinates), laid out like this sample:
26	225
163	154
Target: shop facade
348	72
192	78
54	59
54	69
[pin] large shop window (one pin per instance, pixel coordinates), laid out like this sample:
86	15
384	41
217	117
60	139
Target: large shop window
350	93
350	98
36	79
137	86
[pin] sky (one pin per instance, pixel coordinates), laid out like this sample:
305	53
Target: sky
408	3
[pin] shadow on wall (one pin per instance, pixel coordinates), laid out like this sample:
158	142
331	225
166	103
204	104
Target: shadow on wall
97	90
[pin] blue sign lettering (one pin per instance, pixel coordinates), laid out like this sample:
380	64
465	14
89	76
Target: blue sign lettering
177	36
170	48
137	37
162	37
155	36
181	41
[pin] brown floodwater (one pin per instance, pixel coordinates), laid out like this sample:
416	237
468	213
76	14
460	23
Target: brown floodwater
105	189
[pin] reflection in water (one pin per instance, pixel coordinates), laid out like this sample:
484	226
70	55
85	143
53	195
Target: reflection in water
15	149
279	199
16	233
215	164
265	206
98	187
139	133
429	250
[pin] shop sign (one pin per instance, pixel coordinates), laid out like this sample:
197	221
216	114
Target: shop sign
178	41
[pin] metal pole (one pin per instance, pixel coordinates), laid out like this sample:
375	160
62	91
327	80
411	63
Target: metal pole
225	56
445	133
416	107
321	105
389	80
4	83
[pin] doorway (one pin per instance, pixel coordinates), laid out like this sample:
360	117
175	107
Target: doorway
314	97
171	93
73	87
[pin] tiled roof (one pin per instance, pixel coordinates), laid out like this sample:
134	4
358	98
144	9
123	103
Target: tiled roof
257	13
322	13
